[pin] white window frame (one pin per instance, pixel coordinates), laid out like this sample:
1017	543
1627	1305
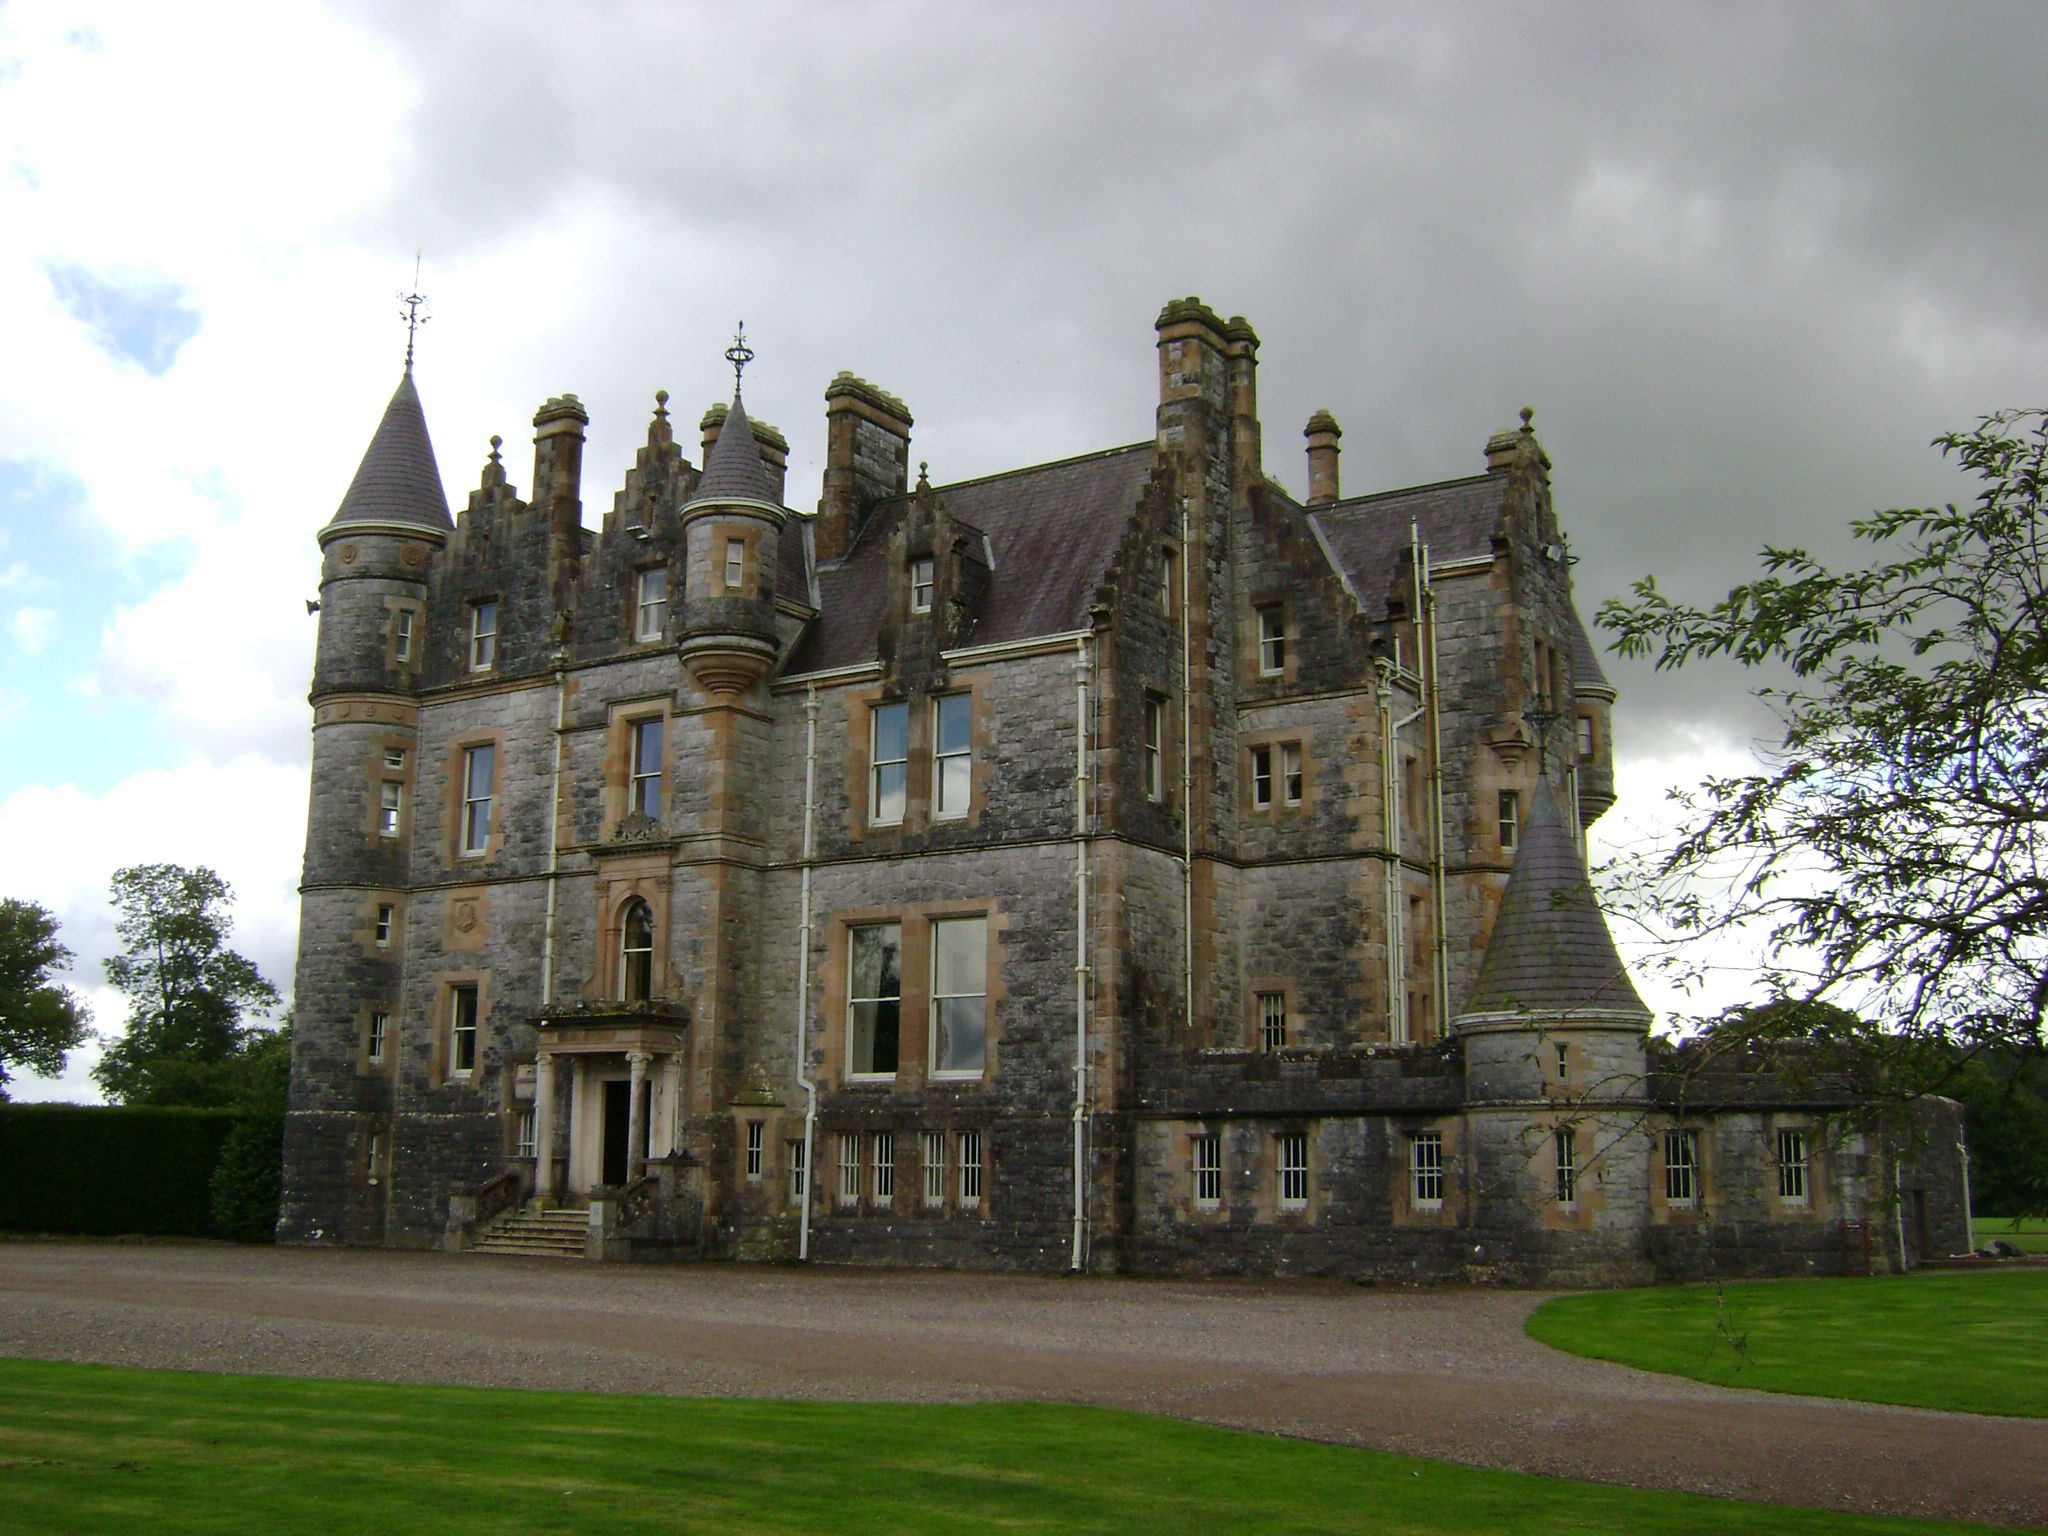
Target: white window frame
940	997
385	925
1795	1166
379	1038
1262	776
855	1000
650	603
886	806
922	572
1272	621
1587	739
394	759
793	1156
849	1167
636	961
1205	1167
968	1147
1291	1168
735	564
483	635
1682	1169
390	807
465	1011
647	737
523	1132
756	1150
934	1167
1564	1144
1508	813
1169	580
951	799
1291	776
1270	1009
402	635
1155	747
1426	1171
477	808
882	1147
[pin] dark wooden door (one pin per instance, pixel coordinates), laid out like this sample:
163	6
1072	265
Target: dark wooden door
618	1124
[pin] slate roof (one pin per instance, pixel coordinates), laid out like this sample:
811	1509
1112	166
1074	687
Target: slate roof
398	480
1051	530
1586	671
1550	951
1368	535
733	470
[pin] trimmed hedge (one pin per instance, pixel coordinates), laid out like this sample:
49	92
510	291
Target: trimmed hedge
112	1170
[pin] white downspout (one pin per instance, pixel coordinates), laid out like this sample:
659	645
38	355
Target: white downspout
1425	608
1081	970
1395	811
1187	778
803	975
1969	1202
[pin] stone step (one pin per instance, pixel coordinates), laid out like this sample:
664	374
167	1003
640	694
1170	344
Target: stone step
529	1250
552	1234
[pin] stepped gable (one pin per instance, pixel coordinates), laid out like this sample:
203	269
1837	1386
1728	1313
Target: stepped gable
1051	530
1550	953
398	480
1368	535
1587	674
733	470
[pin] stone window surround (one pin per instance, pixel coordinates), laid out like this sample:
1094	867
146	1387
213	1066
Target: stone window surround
456	804
1276	741
1694	1171
644	624
1291	1186
1811	1183
621	716
620	883
1427	1175
482	653
921	766
1256	990
913	1044
442	1069
377	772
372	902
1269	632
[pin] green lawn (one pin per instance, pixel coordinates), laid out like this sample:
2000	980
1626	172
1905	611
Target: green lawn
93	1449
2029	1233
1968	1342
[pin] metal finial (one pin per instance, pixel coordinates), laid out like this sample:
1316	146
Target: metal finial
739	354
414	302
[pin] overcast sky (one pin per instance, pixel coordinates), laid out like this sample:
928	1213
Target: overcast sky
1743	261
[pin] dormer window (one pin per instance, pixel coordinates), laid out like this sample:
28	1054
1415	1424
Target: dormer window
483	635
921	584
650	604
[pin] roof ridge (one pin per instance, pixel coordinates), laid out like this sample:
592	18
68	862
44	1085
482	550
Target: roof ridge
1481	478
1030	469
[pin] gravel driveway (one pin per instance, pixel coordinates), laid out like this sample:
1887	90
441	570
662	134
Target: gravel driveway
1437	1372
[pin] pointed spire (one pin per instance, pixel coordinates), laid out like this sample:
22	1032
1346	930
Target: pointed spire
1550	952
398	480
733	470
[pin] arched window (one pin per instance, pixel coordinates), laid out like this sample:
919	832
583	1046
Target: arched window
636	951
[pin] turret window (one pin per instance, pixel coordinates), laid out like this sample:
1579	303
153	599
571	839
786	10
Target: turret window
390	807
952	754
1509	815
889	763
921	584
1585	737
483	636
650	604
1566	1149
479	775
636	952
735	564
401	644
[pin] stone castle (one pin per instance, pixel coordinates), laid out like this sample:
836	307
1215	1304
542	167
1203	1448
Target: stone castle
1114	865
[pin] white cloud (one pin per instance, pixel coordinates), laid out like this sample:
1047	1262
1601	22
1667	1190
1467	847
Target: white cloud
32	629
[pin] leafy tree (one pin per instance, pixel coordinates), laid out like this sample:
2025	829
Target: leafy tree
187	991
249	1179
39	1021
1890	850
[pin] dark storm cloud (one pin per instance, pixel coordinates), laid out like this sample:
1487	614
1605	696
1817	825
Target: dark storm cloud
1744	261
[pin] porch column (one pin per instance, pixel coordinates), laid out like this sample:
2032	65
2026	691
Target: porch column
576	1076
544	1125
636	1122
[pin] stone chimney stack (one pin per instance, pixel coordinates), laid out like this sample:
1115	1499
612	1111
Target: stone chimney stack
558	487
867	458
1322	433
1241	367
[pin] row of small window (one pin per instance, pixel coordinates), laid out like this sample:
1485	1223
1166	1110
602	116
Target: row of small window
1792	1153
948	1170
1290	1165
957	1027
650	611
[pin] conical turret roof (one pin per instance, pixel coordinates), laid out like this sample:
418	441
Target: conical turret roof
398	480
1550	952
733	470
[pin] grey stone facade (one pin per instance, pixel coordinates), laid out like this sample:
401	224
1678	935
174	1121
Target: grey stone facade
1226	849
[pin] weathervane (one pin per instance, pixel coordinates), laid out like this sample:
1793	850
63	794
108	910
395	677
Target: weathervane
739	354
413	303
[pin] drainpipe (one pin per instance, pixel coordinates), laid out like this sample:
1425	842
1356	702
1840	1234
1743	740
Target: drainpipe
1425	610
547	954
1899	1210
1395	812
803	974
1081	970
1969	1204
1187	777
